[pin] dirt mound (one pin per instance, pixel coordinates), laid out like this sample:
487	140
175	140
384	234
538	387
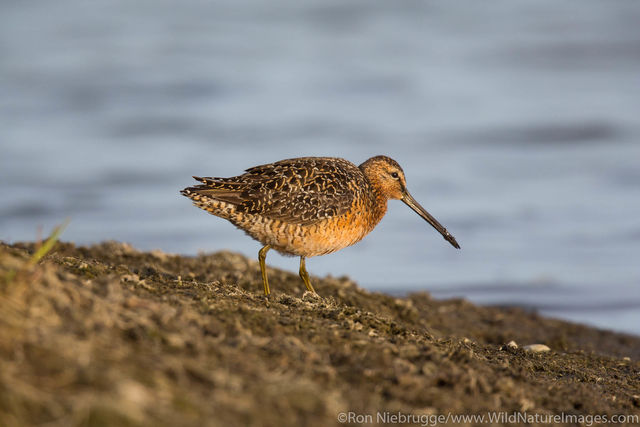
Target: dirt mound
108	335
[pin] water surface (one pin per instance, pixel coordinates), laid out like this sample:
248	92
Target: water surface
516	124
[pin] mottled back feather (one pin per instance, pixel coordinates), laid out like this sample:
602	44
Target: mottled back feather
297	191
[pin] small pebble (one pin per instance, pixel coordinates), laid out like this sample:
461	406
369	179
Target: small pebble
536	348
511	345
311	297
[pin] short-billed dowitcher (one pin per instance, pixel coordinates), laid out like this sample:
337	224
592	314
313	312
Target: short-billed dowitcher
308	206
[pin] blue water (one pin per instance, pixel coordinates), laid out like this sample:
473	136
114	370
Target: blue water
516	123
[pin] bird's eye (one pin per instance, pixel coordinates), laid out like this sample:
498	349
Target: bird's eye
394	175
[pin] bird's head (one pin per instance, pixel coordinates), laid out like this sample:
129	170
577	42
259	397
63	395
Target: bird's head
387	178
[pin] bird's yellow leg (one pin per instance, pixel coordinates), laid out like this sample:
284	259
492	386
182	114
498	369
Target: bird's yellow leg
262	255
305	276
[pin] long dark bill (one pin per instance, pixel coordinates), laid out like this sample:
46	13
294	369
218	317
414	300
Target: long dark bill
411	202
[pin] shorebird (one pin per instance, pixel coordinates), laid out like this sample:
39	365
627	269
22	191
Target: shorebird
308	206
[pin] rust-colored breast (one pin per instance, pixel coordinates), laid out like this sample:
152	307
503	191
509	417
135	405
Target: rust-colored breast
319	238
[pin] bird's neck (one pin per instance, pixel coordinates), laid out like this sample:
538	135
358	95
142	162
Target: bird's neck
378	208
377	197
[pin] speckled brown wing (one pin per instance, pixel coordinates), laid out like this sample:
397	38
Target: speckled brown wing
297	191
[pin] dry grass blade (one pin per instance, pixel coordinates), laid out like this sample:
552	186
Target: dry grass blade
49	243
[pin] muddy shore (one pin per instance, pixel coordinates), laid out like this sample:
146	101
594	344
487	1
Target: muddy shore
108	335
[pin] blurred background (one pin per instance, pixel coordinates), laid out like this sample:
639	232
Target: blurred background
516	122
